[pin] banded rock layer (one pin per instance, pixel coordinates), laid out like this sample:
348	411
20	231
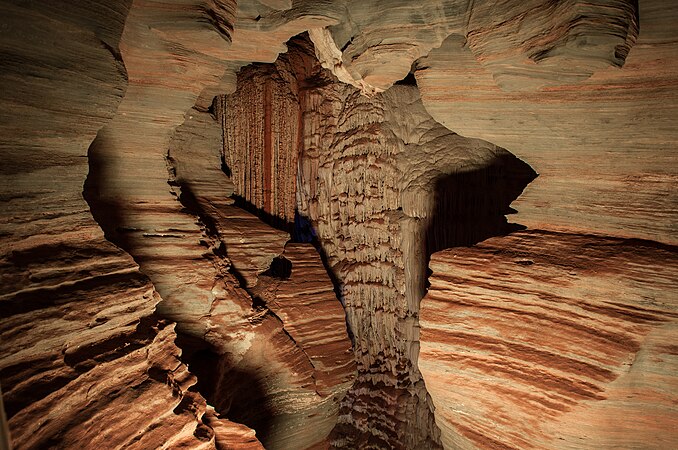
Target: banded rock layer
376	183
52	247
605	147
84	361
552	340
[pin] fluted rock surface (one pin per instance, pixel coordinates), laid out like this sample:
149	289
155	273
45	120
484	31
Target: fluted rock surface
379	181
552	340
266	179
369	175
384	184
285	365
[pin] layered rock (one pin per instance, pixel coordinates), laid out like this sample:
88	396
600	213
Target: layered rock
127	189
297	283
377	176
522	43
283	379
552	340
85	362
605	146
175	64
382	185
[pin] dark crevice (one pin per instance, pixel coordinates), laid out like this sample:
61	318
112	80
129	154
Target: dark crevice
236	393
281	268
409	80
301	231
269	219
345	46
245	398
472	206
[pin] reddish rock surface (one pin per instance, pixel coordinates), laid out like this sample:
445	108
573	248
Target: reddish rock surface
605	147
84	361
281	367
192	309
552	340
57	342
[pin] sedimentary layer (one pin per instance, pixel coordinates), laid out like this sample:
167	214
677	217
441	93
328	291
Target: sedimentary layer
382	185
605	146
551	340
85	362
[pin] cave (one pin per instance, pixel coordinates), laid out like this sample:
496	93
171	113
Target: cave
302	224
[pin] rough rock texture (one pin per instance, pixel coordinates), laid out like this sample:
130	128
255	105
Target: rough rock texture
174	234
269	373
297	283
378	179
370	173
605	147
551	340
84	362
266	180
378	189
52	245
532	42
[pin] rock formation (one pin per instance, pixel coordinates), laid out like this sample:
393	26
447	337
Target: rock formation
218	218
374	183
616	130
553	340
85	361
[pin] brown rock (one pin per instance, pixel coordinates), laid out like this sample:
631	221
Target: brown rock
550	340
605	147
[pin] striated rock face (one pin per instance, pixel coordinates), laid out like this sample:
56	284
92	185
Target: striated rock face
522	43
378	179
551	340
280	367
198	250
193	298
78	329
83	359
267	179
377	193
605	147
296	283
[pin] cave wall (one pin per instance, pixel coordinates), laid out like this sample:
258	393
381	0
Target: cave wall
56	260
383	186
175	284
605	146
85	361
553	340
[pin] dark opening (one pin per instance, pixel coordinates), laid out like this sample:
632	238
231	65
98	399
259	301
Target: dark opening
472	206
281	268
235	391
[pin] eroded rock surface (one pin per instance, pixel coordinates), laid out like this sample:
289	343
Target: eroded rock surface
378	178
84	361
605	147
280	367
320	144
552	340
378	192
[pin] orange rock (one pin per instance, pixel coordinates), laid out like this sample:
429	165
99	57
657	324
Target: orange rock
552	340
